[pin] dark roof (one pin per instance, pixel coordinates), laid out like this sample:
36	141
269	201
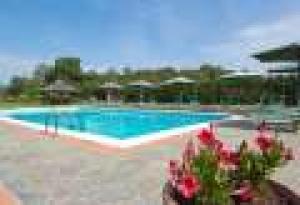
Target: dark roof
288	53
283	70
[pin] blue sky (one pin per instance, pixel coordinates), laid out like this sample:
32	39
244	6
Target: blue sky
143	33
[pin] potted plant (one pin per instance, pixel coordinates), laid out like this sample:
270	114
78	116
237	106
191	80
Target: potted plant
211	173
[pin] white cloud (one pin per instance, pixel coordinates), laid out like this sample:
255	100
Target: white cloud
14	65
282	31
134	49
254	38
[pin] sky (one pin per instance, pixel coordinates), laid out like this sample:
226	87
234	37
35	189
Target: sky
142	33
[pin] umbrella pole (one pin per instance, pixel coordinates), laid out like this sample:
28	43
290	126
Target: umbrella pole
297	84
46	124
181	99
56	124
56	119
108	98
46	118
141	98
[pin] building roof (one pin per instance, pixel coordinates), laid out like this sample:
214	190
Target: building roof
178	80
288	53
240	74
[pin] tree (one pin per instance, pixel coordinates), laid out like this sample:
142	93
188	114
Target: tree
210	72
45	73
68	68
127	70
16	86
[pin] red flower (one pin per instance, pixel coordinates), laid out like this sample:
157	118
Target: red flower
206	137
189	152
218	145
173	165
173	172
188	186
228	159
264	143
244	193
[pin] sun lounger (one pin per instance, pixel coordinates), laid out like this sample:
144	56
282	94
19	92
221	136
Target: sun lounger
281	125
277	117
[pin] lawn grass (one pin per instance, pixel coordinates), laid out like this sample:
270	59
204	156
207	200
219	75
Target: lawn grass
15	104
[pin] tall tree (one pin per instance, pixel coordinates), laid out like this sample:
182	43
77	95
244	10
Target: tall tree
127	70
210	72
45	73
68	68
16	86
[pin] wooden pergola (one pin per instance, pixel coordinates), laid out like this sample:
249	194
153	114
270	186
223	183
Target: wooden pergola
112	91
59	90
230	86
285	54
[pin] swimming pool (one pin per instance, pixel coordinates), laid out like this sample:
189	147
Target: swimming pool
117	124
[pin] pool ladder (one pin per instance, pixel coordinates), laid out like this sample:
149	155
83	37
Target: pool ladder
71	118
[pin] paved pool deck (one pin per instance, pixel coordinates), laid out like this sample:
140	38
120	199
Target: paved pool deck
42	170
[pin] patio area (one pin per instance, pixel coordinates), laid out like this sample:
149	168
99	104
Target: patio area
63	171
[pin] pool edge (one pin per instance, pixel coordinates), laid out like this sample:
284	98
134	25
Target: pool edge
106	140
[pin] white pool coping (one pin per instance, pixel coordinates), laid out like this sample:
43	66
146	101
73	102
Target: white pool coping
104	139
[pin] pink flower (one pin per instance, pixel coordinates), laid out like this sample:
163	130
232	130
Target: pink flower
264	143
173	165
211	128
189	152
244	193
188	186
173	172
228	159
206	137
218	145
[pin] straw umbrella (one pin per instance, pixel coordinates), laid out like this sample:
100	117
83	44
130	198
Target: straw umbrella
181	81
59	88
141	85
110	87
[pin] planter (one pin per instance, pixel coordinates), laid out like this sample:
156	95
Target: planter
276	194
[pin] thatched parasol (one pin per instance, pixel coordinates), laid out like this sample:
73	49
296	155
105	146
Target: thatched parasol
178	81
181	81
141	85
60	86
109	87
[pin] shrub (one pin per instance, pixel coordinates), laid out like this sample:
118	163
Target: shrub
212	173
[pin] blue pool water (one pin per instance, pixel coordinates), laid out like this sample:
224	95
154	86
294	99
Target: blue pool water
118	123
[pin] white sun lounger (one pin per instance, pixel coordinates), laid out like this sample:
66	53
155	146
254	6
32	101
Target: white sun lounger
281	124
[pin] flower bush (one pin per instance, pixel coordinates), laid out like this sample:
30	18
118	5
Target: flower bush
212	173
